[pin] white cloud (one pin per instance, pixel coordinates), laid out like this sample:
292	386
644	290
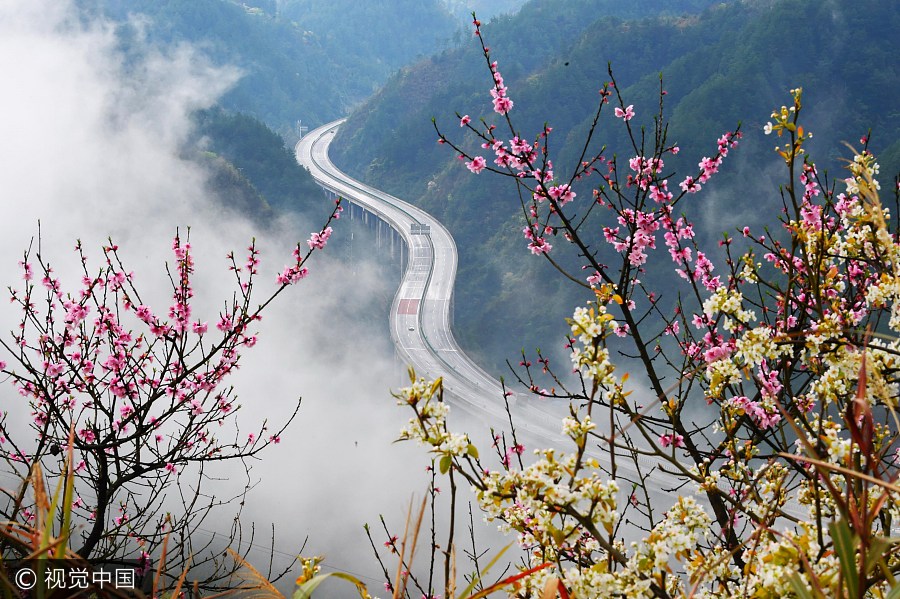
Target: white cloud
91	148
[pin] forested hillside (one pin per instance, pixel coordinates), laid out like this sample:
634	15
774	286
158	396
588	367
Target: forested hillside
727	64
370	40
309	60
259	157
462	9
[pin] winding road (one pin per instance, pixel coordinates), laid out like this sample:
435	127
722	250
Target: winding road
421	310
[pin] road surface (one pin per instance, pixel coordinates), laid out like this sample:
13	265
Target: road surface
420	313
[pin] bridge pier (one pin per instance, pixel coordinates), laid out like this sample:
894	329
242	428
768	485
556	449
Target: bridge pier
386	238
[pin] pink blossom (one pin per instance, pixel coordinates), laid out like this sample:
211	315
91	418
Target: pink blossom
465	120
673	439
660	193
317	241
690	185
627	114
75	313
520	146
562	194
709	166
672	329
700	321
291	275
225	323
539	246
144	313
502	105
714	354
53	370
757	412
476	165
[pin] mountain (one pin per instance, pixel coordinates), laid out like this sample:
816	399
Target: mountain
309	60
485	9
721	63
370	40
259	155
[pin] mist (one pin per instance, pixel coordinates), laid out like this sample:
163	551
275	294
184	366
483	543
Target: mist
91	149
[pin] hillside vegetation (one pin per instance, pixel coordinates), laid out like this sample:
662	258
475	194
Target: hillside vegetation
309	60
719	66
259	156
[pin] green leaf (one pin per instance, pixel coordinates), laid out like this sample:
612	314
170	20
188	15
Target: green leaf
445	464
305	590
799	588
67	502
845	547
51	516
558	536
880	546
472	451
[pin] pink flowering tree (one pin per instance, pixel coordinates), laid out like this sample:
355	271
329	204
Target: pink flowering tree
143	391
771	376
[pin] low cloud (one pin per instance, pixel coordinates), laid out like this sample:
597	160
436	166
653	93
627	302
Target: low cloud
90	146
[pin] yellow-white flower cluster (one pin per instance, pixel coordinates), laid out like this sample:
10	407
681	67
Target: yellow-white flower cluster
675	537
538	502
863	170
429	425
865	235
772	564
590	325
839	381
577	429
674	540
720	374
756	345
731	303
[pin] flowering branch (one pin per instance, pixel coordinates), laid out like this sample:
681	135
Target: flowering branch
144	392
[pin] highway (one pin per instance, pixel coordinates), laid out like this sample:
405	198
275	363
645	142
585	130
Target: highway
420	312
